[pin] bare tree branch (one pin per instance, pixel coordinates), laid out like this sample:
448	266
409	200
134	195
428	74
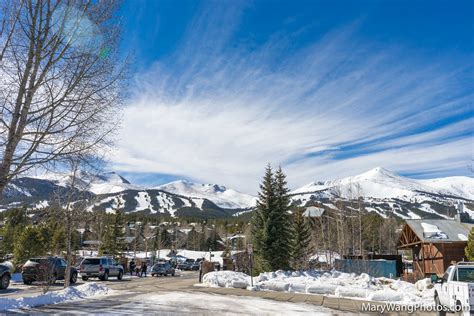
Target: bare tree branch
60	81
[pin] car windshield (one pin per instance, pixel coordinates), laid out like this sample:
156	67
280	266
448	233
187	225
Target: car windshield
91	261
39	260
159	265
190	260
466	274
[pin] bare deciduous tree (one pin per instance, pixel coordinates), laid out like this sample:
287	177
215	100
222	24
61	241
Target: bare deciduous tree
60	77
71	204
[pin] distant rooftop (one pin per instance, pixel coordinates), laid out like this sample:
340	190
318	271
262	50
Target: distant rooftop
313	211
440	230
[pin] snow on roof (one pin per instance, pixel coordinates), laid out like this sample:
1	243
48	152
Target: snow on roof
433	231
439	230
462	237
313	211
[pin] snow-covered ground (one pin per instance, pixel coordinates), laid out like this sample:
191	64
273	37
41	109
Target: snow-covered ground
332	283
194	303
54	297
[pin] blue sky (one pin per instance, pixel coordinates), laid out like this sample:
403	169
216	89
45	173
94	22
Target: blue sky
325	88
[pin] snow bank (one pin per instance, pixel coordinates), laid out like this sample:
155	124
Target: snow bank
226	279
333	283
54	297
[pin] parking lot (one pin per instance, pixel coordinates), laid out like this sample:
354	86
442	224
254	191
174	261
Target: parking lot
18	289
173	296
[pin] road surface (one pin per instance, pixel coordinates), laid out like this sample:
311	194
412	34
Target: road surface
175	296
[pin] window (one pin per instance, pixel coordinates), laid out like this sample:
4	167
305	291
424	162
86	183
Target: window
63	263
465	274
91	261
446	274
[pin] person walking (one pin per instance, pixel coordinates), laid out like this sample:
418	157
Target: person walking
144	267
131	267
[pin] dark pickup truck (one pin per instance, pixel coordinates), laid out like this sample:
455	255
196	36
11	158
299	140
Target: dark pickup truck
46	269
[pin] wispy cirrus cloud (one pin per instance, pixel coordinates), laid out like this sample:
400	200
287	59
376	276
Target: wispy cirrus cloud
218	113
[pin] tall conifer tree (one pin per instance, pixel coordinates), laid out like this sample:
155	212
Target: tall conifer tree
280	225
265	203
301	240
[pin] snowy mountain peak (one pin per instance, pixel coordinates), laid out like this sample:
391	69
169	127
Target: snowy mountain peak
220	195
112	177
382	183
378	172
103	183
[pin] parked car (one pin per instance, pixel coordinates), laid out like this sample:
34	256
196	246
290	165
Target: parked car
4	276
46	269
186	265
100	267
455	290
162	268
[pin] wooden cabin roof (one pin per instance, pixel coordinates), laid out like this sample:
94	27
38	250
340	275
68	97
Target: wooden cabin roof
434	231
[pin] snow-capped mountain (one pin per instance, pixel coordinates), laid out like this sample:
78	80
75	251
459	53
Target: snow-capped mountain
382	183
104	183
220	195
388	193
109	191
380	191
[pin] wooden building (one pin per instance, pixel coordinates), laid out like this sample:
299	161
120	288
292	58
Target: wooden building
434	243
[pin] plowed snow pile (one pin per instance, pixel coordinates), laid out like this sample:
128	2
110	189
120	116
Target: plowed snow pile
332	283
70	294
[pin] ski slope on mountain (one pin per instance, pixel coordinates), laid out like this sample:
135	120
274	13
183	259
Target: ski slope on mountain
381	191
381	183
104	183
459	186
220	195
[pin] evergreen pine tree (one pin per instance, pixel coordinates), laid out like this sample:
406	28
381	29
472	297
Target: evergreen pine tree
58	240
165	238
301	247
469	250
265	203
114	234
279	225
15	222
30	243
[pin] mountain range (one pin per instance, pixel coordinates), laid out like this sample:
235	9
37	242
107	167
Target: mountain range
378	190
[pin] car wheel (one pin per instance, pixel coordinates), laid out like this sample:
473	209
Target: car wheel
458	310
73	278
120	275
52	281
438	306
5	281
27	282
84	278
172	273
106	276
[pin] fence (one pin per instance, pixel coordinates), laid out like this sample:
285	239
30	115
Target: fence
375	268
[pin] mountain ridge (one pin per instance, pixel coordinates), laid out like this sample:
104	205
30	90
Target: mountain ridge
381	190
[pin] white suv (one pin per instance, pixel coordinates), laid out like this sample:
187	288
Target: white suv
100	267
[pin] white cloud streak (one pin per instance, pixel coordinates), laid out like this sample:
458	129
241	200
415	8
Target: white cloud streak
216	114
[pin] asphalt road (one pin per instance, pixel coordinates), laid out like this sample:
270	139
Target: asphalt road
173	296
